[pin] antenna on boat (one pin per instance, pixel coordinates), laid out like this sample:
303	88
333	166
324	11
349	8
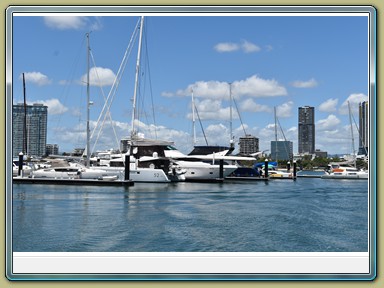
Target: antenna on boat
133	132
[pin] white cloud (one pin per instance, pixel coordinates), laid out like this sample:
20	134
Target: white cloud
73	22
226	47
329	105
54	106
331	122
253	86
209	109
245	46
305	84
99	76
251	106
354	100
66	22
284	110
37	78
249	47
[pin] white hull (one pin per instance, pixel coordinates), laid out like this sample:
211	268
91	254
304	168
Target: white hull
138	175
345	172
203	171
69	173
279	174
363	176
25	172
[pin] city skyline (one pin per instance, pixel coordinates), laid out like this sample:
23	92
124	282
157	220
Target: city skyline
289	62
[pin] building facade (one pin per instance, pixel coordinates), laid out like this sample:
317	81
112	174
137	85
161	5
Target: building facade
248	144
306	136
282	150
51	149
363	128
29	129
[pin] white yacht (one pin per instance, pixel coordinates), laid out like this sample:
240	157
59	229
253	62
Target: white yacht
205	167
337	171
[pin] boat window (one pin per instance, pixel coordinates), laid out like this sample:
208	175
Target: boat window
169	147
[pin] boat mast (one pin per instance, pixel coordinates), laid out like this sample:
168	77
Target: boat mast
353	139
88	106
25	152
274	109
133	132
193	120
230	116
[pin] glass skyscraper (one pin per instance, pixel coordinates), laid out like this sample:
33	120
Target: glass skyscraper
363	128
306	130
281	150
32	138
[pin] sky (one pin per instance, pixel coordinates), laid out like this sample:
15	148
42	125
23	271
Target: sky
262	62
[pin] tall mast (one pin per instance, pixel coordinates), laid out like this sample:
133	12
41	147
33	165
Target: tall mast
88	108
353	139
133	132
25	120
230	116
274	109
193	120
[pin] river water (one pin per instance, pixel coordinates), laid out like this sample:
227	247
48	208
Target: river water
306	215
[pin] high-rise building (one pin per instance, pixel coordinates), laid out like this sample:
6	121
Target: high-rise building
52	149
363	128
281	150
248	144
306	130
31	139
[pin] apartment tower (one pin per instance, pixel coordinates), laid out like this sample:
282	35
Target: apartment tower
29	129
363	128
306	130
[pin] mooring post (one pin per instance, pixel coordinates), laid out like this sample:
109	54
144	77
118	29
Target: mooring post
288	166
294	170
221	169
20	164
266	168
127	167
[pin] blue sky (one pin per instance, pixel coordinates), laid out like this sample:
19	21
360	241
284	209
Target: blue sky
271	61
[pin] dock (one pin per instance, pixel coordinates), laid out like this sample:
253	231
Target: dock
88	182
239	178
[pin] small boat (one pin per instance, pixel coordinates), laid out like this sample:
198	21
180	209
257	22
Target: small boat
278	174
347	169
344	172
67	172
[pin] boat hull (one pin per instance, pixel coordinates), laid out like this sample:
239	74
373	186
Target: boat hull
198	171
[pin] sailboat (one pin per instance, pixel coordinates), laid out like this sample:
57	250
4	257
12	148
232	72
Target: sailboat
346	169
147	160
203	163
274	172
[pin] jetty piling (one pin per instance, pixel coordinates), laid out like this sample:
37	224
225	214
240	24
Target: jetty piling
21	156
221	169
127	167
266	168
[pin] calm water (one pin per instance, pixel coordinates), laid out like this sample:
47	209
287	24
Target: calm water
281	215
